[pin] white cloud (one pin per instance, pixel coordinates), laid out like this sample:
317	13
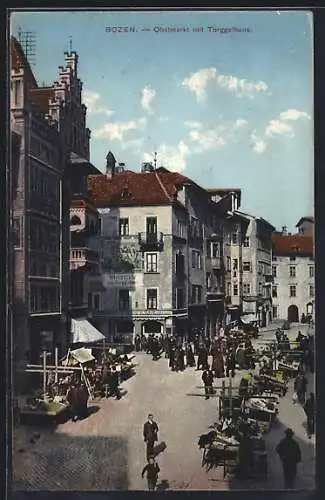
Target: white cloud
278	127
259	144
209	139
173	158
114	131
163	118
240	123
240	86
91	100
197	83
147	96
193	124
281	127
293	114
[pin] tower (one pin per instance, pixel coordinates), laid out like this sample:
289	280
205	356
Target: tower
110	165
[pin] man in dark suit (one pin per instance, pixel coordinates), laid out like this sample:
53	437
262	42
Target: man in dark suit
207	377
150	434
114	383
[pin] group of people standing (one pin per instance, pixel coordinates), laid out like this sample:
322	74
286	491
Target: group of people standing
225	350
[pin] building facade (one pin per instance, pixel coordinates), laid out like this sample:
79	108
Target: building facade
162	240
40	225
49	171
257	270
293	269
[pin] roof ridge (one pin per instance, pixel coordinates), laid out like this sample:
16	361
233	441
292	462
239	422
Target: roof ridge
162	186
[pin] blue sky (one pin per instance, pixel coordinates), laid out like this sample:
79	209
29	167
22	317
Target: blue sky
228	109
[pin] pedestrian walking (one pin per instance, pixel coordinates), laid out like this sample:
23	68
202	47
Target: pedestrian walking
172	358
289	452
190	360
230	363
207	377
240	356
150	434
310	414
300	387
83	401
152	469
167	346
196	344
218	366
114	383
181	359
137	342
72	400
143	342
155	349
202	358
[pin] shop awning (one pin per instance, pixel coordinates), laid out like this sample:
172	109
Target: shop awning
248	318
84	333
82	355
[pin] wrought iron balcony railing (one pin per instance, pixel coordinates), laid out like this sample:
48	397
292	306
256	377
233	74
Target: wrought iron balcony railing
154	241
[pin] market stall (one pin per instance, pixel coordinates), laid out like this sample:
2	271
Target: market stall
237	446
48	404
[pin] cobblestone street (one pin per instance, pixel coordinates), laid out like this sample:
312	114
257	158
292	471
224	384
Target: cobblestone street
106	451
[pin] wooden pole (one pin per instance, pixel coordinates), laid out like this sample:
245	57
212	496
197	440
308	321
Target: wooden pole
44	375
56	364
230	397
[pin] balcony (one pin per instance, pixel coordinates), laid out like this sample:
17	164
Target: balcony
151	241
83	255
269	279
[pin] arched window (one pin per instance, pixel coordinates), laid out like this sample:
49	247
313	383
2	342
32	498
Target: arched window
75	221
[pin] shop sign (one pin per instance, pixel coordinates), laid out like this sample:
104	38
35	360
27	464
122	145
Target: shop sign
119	280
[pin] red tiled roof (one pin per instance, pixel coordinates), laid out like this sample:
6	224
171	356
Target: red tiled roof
40	97
128	188
19	60
292	245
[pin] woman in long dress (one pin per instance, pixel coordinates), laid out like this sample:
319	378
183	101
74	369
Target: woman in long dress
190	360
218	365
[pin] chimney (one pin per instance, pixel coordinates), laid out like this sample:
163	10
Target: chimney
110	165
147	167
